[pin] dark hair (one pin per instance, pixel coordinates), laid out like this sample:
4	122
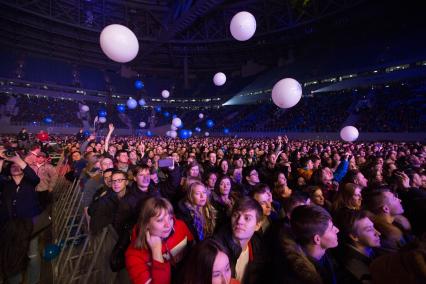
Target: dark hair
248	170
119	152
350	176
344	196
248	203
116	172
108	170
296	198
260	189
374	200
199	267
307	221
139	168
345	221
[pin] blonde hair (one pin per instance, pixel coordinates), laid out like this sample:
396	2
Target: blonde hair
208	213
152	207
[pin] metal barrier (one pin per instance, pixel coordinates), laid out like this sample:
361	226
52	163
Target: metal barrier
80	259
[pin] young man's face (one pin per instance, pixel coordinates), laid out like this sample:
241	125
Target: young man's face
119	182
212	158
329	238
253	178
244	224
107	179
361	180
394	204
143	178
366	234
123	158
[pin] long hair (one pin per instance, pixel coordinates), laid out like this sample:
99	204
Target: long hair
344	197
208	213
153	207
199	267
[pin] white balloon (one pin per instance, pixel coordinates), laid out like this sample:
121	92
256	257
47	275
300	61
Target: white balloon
142	124
177	122
200	116
168	133
142	102
172	127
102	119
286	93
119	43
206	134
219	79
173	134
131	103
349	133
165	94
243	26
84	108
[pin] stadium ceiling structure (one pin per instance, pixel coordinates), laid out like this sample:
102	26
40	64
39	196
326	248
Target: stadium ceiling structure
173	34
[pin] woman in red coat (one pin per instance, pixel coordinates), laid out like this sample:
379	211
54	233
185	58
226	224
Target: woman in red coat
159	242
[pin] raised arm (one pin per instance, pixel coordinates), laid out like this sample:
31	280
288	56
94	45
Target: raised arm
108	137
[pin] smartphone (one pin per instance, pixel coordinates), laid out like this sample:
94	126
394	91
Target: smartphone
165	163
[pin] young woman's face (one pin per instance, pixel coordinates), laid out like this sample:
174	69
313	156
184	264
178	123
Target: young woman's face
282	179
224	166
221	271
194	171
161	225
199	195
212	180
225	186
357	198
318	197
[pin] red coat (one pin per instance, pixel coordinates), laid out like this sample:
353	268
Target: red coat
140	265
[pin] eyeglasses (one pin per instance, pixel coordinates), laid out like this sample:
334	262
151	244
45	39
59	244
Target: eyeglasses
118	180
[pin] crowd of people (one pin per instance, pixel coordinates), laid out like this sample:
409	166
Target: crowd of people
225	210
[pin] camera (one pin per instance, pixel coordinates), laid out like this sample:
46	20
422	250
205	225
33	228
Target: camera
11	152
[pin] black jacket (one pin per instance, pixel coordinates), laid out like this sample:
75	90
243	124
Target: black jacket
20	201
298	267
103	210
130	206
257	266
22	136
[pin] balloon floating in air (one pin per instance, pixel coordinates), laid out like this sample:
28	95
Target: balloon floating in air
119	43
286	93
349	133
131	103
219	79
165	94
243	26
